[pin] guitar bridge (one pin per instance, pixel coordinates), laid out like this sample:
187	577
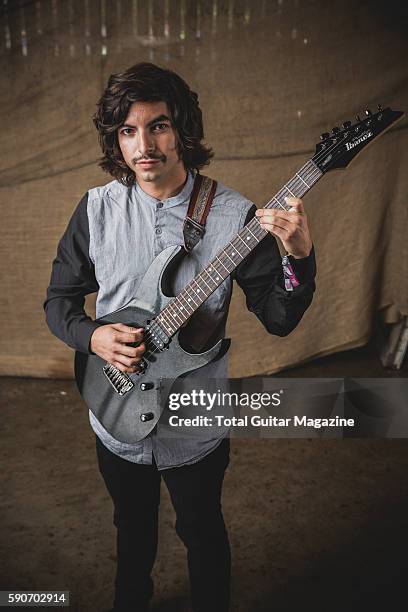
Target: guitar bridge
119	380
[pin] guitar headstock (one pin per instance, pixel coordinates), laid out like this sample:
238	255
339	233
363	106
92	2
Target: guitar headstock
338	148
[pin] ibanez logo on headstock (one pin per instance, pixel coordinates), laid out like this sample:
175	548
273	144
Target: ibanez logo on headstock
351	145
339	147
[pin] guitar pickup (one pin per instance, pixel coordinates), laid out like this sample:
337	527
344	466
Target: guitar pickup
119	380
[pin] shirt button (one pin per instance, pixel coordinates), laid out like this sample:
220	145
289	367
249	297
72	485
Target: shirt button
158	230
159	204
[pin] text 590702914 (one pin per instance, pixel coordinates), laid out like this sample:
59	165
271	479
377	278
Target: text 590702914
34	598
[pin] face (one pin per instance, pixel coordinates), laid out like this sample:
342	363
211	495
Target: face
148	143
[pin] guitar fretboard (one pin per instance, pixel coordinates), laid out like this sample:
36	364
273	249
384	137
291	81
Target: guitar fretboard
180	308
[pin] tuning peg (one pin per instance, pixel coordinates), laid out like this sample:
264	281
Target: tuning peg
346	125
335	130
379	108
324	135
358	117
368	112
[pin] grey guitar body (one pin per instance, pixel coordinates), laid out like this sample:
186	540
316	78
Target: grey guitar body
131	417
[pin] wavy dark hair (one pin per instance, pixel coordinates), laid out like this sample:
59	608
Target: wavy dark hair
145	82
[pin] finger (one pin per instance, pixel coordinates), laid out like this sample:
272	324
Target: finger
129	351
282	218
124	368
132	363
125	337
296	204
282	222
276	229
294	215
278	232
121	327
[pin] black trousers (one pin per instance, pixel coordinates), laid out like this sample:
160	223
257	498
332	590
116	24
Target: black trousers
195	492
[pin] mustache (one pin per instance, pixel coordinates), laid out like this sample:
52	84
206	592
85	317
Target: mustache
162	158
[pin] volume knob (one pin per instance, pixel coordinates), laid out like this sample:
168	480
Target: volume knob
145	386
146	416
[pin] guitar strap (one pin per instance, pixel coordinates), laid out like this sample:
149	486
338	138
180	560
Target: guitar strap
198	209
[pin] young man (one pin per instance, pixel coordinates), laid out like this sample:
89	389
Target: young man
150	130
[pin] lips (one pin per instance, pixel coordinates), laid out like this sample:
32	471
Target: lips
147	163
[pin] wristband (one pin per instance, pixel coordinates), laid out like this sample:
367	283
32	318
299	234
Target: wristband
289	275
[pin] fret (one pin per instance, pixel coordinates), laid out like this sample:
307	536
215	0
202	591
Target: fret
183	307
196	291
231	260
281	205
181	297
218	259
249	230
308	186
217	278
257	228
221	274
236	247
167	326
243	242
166	319
175	315
172	315
214	280
190	297
235	252
291	192
202	279
281	194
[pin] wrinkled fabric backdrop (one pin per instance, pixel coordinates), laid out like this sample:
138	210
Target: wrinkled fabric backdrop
271	77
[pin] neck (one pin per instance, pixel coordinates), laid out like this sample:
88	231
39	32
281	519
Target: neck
168	189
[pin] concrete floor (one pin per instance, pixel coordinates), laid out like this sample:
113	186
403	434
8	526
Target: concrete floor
314	524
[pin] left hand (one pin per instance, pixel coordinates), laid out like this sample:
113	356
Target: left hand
290	226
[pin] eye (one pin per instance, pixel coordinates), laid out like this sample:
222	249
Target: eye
159	127
126	131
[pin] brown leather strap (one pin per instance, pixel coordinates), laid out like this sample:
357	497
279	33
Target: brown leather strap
198	209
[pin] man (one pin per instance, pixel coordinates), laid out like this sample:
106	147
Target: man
150	130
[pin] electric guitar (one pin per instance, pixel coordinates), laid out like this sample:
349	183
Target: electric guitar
129	406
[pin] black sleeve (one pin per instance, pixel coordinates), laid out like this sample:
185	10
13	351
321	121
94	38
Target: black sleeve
260	276
72	278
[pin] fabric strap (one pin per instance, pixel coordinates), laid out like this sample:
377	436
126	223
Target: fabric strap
199	206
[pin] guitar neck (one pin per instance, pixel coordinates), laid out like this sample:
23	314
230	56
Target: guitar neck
180	308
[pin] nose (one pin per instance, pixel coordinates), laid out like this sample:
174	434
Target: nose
146	143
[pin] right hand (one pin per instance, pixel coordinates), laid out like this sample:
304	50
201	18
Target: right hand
111	341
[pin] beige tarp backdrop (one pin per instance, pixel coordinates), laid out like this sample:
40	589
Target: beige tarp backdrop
271	77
